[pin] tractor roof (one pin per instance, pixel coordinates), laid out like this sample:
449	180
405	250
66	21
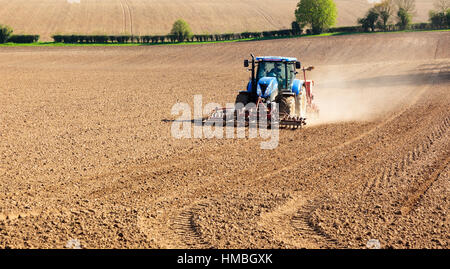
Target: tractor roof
275	59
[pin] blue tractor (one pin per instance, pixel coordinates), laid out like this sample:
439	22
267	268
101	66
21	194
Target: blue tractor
273	80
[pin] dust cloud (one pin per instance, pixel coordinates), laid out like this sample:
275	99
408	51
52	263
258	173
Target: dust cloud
344	98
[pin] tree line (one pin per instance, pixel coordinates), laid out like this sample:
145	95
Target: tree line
393	15
155	39
386	15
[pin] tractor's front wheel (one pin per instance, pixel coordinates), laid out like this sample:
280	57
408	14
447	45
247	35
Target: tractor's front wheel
242	98
287	106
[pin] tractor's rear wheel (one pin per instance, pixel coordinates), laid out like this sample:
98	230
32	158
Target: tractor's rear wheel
287	106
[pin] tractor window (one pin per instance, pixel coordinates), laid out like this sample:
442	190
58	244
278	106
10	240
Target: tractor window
277	70
264	69
272	69
290	73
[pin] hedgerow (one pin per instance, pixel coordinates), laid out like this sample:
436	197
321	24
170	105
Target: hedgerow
23	38
160	39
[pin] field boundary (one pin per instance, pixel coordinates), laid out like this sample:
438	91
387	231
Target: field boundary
106	44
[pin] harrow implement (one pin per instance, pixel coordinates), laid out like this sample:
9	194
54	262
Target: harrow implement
259	115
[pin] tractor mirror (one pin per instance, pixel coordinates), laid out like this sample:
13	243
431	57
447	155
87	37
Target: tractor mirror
245	63
298	65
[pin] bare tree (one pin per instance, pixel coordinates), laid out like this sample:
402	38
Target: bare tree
442	5
406	9
385	9
407	5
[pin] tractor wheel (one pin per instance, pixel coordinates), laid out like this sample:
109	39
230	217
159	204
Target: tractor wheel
242	98
301	103
287	105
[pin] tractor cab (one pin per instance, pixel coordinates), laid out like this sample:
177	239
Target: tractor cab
272	75
282	70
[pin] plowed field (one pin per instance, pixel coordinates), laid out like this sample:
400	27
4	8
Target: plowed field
87	153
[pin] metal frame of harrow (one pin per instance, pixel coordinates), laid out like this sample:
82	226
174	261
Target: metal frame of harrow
225	115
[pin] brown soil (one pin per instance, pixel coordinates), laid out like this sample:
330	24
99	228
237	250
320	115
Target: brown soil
87	154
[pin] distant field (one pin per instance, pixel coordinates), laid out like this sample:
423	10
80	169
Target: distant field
47	17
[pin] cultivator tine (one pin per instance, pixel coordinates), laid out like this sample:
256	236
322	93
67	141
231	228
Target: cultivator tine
250	118
220	116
